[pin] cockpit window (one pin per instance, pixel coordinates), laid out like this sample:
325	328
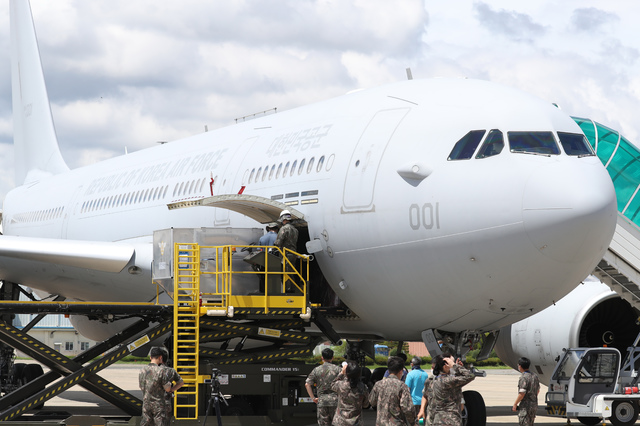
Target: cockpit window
492	145
533	143
465	147
575	144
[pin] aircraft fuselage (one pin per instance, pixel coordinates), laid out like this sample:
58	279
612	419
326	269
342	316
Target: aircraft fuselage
410	239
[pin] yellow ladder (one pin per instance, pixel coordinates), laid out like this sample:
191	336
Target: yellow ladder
186	331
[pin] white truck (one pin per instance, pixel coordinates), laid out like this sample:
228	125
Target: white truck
590	385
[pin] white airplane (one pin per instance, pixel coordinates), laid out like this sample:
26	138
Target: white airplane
444	206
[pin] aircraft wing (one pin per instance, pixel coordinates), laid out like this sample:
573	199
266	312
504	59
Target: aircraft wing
95	255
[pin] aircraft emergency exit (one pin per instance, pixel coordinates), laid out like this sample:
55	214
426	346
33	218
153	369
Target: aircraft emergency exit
443	205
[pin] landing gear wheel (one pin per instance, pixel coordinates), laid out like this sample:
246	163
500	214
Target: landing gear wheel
625	413
365	376
377	375
475	410
589	421
31	372
16	373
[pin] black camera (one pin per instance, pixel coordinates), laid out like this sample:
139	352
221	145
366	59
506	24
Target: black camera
216	396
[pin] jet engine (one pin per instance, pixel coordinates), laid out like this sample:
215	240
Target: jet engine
591	315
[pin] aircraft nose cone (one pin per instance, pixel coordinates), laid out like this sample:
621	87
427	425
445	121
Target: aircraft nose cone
569	211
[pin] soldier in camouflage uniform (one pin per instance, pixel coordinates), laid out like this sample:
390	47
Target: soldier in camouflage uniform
392	397
156	382
447	391
528	388
288	239
426	407
353	396
322	377
288	234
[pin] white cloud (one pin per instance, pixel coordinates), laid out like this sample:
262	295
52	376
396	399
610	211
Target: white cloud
580	54
591	19
510	23
369	70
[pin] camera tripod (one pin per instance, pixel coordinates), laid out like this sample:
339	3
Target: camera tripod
214	397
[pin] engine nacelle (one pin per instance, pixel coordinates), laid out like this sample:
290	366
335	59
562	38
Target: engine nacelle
592	315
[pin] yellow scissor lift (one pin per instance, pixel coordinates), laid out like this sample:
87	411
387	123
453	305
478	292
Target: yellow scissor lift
25	393
280	305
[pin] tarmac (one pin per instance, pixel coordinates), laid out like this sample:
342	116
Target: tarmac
498	388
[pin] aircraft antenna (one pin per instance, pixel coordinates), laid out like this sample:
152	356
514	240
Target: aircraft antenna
409	74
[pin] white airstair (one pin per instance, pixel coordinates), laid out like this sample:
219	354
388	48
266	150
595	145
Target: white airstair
620	266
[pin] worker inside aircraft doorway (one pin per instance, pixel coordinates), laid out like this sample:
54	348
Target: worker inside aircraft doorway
287	239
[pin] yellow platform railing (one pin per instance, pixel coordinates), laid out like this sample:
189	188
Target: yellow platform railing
280	279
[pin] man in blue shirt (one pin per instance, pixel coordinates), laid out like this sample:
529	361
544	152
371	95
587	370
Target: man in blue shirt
269	238
415	380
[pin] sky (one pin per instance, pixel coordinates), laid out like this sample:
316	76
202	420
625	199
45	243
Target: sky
125	75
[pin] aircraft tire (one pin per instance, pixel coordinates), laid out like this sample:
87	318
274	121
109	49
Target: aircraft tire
624	413
475	409
377	375
366	376
590	421
17	370
30	373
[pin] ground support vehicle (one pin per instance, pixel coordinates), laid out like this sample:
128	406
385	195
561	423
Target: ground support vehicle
592	385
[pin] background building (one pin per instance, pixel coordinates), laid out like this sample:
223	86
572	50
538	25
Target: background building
56	332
